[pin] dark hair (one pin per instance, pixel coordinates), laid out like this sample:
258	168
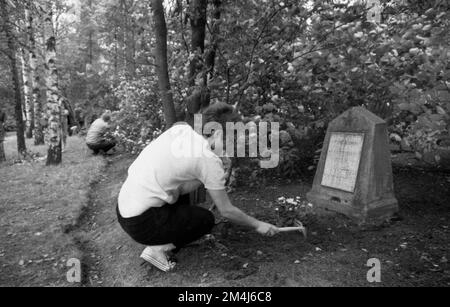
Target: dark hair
106	116
221	113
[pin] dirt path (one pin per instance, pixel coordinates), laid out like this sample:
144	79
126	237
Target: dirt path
413	251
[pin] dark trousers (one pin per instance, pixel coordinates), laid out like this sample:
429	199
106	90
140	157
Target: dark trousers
105	146
179	224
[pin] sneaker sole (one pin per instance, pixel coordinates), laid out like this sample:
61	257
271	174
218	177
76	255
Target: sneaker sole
155	262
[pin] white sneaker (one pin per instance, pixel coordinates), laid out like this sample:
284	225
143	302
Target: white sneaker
156	256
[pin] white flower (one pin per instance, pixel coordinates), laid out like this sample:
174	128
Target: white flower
291	201
359	34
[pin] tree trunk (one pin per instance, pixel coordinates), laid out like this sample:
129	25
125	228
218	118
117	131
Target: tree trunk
19	61
197	79
161	62
35	85
197	12
53	109
2	136
26	93
210	58
12	54
2	152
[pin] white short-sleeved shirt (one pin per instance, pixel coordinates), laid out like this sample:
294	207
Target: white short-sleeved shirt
96	132
174	164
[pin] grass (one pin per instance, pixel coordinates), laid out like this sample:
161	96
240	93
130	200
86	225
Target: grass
38	205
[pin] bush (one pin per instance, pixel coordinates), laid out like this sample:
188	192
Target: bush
140	119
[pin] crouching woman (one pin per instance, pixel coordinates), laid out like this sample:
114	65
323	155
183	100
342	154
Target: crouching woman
153	206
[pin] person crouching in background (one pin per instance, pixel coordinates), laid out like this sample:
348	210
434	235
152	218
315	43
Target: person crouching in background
98	138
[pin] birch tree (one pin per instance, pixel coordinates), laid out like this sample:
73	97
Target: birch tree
35	80
27	76
53	110
26	93
12	55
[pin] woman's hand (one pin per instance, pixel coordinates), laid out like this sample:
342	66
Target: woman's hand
235	215
267	229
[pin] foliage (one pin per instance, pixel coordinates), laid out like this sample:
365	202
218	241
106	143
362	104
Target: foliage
139	120
299	63
419	58
302	64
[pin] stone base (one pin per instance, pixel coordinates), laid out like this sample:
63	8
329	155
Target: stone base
375	212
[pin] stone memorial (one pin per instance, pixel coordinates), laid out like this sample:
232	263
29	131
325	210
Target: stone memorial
354	175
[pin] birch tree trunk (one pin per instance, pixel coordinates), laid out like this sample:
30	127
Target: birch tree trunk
53	108
28	90
26	93
161	62
20	67
35	84
12	54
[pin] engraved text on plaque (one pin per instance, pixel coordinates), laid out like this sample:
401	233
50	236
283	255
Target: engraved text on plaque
342	162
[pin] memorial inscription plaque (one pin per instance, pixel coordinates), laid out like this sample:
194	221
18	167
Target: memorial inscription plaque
342	163
354	174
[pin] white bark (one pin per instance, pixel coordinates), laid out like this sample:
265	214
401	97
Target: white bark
26	91
53	108
35	84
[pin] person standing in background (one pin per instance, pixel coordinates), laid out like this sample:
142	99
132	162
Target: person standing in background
79	117
64	127
2	121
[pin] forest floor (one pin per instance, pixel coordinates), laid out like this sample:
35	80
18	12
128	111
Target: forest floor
413	251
